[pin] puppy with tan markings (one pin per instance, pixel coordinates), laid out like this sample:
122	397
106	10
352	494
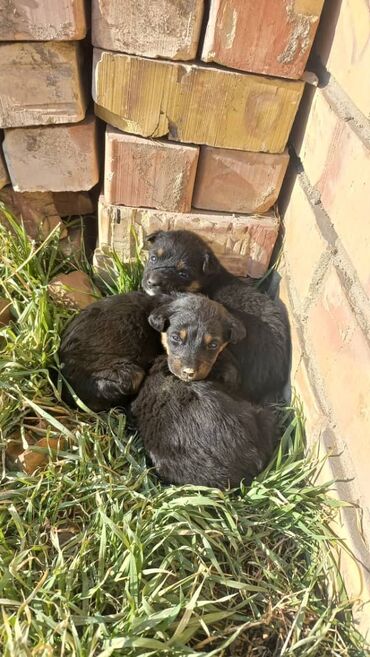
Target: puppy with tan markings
180	260
194	330
199	432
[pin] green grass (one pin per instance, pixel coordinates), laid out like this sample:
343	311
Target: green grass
98	559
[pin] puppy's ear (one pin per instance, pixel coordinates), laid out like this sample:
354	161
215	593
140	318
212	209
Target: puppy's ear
151	238
237	330
159	318
210	263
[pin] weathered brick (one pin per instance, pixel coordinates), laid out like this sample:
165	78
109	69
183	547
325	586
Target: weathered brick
337	161
74	290
300	222
274	38
57	158
44	20
36	210
238	181
153	98
243	243
73	203
40	83
153	29
343	44
4	176
145	173
342	356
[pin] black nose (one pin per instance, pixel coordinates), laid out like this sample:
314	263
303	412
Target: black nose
152	282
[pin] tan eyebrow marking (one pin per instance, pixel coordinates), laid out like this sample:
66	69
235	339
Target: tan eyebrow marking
183	334
160	252
180	264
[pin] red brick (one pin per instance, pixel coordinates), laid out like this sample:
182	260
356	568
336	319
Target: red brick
29	460
4	176
300	222
53	158
73	203
238	181
154	98
267	37
153	29
44	20
342	356
337	161
40	83
343	44
74	290
145	173
36	210
243	243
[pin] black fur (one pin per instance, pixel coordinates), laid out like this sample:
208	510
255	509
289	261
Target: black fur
107	348
180	260
197	433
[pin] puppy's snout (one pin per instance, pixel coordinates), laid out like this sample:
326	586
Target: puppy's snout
188	372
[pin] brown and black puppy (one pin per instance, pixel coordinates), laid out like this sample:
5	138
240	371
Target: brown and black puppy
107	349
194	330
179	260
200	433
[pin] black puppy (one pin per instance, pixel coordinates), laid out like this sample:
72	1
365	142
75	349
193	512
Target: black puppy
179	260
197	433
195	331
107	348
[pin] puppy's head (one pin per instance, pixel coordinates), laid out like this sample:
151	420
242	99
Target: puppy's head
178	261
194	331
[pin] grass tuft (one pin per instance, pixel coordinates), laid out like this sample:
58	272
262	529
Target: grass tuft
98	559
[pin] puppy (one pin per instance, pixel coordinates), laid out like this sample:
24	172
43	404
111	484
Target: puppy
195	330
197	433
179	260
107	348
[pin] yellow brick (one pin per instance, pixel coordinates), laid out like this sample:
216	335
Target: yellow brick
195	104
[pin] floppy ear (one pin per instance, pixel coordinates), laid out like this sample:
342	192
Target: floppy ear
236	328
159	318
210	263
151	238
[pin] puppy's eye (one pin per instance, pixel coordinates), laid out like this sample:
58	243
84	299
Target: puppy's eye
175	338
153	258
213	344
183	274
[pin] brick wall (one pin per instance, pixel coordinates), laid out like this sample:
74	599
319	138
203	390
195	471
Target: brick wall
206	148
326	268
48	140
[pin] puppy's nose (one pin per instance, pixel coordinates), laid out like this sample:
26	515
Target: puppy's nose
189	372
152	282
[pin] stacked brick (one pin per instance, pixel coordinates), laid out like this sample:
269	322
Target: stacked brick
327	267
49	144
193	145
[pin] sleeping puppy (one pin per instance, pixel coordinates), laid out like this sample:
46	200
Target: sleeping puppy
195	331
199	433
107	349
179	260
